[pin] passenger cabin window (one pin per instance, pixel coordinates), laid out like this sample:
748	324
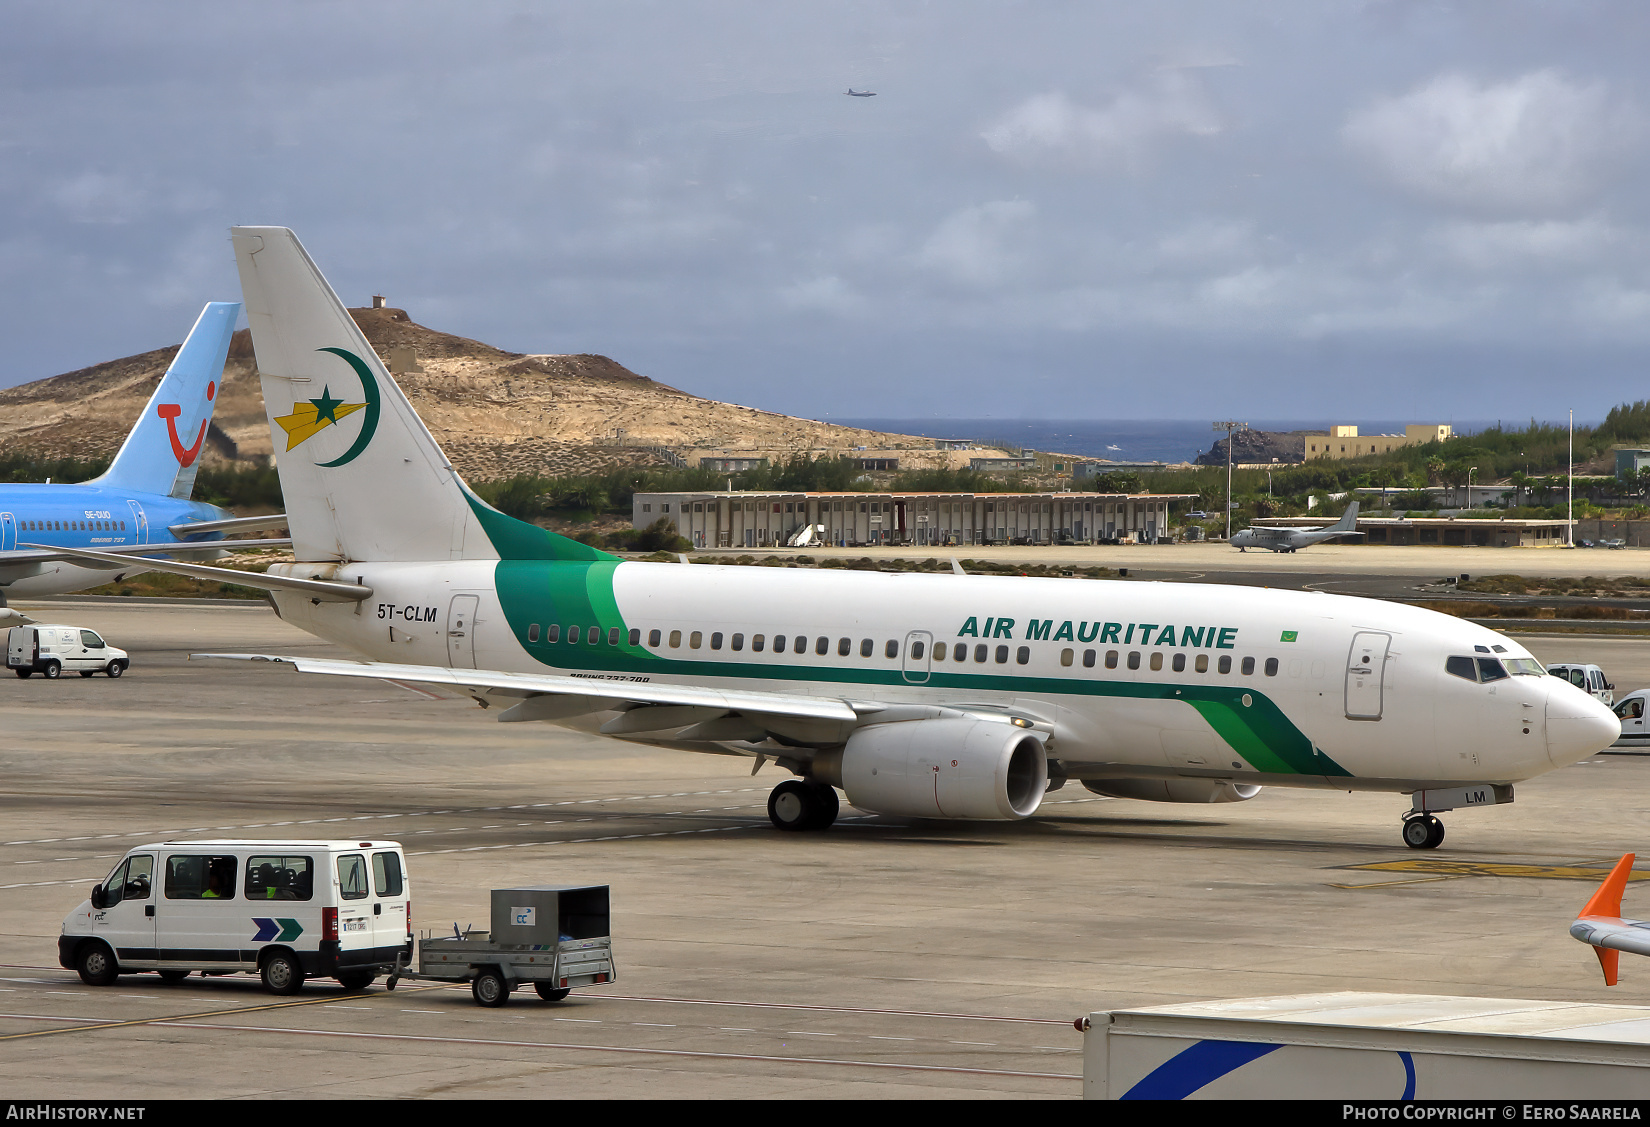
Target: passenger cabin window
1157	660
1067	657
715	639
759	642
1248	667
386	874
613	635
1134	659
572	635
280	878
1225	664
779	643
800	645
200	877
1111	659
533	632
675	639
891	651
867	647
1002	655
1202	663
352	876
1088	659
1271	667
980	652
1180	663
844	646
695	639
737	642
1022	656
822	646
635	636
552	633
916	651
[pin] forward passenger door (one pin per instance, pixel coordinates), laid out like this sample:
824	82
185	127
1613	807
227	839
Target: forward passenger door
1366	675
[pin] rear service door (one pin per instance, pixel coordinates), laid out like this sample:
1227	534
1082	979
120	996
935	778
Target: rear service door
8	532
1365	675
389	899
355	918
461	642
140	524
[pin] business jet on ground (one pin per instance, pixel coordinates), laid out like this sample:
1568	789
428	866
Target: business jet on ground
922	696
1294	539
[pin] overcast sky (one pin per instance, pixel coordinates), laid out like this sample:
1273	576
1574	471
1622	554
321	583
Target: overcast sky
1306	210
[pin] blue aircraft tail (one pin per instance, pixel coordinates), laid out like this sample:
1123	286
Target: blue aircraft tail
162	454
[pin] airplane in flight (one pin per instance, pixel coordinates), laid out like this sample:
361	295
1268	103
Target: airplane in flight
918	695
852	93
140	505
1294	539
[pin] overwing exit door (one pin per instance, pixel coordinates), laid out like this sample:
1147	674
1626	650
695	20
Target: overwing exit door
916	657
1366	675
461	632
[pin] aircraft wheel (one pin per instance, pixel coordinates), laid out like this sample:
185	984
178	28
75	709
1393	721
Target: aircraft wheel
1423	832
826	807
793	805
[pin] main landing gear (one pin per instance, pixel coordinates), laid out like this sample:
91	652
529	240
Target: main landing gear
797	805
1423	831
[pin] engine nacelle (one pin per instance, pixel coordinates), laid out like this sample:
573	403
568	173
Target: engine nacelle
1173	790
957	768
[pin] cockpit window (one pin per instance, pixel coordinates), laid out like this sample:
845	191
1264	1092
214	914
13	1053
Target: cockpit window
1490	669
1462	667
1525	667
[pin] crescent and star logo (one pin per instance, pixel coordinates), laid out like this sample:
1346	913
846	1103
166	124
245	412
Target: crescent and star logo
311	417
185	455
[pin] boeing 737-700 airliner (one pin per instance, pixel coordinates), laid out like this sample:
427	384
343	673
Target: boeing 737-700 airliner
924	696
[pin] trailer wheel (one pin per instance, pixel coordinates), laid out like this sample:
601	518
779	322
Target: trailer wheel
550	993
489	988
281	973
25	674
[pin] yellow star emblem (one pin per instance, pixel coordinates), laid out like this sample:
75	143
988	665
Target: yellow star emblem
310	418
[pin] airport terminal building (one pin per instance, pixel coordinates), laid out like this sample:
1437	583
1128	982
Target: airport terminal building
771	518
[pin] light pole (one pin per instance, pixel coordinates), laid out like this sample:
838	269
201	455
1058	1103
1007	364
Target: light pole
1231	427
1470	471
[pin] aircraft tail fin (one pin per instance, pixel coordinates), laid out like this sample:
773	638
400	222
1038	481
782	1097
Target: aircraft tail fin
1348	521
162	452
362	476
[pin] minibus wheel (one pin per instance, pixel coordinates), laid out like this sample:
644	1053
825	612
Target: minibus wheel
281	973
95	964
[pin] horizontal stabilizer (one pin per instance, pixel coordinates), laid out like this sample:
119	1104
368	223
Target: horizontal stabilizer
140	553
326	590
233	524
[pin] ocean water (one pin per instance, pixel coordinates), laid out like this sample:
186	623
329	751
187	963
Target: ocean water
1123	440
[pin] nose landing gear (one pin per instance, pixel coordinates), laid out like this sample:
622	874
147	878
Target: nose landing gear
1423	831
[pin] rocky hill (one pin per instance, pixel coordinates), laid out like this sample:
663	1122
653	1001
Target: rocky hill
1259	446
496	413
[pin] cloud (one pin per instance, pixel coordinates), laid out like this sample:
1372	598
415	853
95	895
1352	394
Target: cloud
1536	142
1121	133
979	245
1516	243
827	293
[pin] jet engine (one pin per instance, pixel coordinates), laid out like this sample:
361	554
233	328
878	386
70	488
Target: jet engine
1173	790
950	768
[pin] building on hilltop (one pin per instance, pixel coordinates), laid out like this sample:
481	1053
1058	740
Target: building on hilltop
1346	442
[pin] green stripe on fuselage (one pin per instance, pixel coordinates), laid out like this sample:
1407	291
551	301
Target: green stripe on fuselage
581	594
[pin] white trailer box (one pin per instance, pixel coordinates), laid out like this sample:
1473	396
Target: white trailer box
1355	1046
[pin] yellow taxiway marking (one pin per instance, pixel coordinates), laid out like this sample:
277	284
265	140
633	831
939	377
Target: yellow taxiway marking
1435	868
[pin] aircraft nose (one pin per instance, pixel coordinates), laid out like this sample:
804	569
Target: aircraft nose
1577	725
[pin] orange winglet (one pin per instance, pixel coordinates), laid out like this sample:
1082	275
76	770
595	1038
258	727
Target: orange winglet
1607	900
1608	959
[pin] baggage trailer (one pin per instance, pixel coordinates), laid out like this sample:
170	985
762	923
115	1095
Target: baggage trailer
556	937
1357	1046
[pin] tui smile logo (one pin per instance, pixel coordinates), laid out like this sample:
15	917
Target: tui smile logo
185	455
311	417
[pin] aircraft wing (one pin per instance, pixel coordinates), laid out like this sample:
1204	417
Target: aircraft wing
617	688
47	554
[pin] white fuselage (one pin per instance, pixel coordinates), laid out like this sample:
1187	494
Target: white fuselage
1239	683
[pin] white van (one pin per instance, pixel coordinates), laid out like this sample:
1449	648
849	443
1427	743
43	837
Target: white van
52	650
1589	679
284	910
